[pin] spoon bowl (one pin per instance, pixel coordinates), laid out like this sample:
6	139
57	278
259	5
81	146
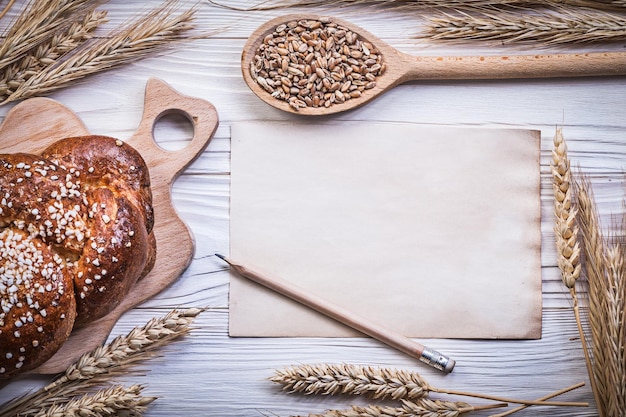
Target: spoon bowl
289	41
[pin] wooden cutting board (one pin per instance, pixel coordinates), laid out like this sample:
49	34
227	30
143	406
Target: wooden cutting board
36	123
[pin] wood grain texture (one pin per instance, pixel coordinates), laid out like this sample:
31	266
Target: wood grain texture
209	373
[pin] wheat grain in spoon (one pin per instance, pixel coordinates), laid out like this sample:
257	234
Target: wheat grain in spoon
313	65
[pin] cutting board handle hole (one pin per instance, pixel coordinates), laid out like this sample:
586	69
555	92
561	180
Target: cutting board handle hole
173	130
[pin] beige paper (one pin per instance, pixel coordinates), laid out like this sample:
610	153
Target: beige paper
431	231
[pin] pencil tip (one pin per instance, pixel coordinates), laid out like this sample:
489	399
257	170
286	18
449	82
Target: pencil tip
222	257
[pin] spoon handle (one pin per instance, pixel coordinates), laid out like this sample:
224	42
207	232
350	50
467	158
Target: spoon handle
509	67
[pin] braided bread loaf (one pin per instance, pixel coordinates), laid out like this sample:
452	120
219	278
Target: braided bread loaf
75	235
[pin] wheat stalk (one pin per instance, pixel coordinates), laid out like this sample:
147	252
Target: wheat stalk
113	401
46	53
547	27
545	397
604	270
7	7
148	34
108	360
328	379
425	408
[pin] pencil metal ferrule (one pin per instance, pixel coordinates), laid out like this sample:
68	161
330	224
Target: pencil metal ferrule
436	360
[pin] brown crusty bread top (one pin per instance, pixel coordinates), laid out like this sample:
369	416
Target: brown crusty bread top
115	184
75	235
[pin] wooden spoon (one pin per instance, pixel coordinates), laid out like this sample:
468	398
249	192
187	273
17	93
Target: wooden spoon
401	67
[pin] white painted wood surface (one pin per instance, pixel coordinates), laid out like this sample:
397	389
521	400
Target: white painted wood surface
209	373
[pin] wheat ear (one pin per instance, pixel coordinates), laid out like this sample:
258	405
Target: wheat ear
420	4
614	340
397	4
113	401
425	408
569	25
47	53
147	35
108	360
595	252
35	23
125	350
328	379
565	229
604	270
566	233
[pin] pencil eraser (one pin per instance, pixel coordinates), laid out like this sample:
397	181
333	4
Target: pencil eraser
449	366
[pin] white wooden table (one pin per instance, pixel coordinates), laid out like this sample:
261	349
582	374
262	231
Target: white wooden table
209	373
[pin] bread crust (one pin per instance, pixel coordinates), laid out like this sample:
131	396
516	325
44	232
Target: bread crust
116	187
75	235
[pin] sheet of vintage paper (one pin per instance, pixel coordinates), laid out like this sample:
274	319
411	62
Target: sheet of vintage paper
432	231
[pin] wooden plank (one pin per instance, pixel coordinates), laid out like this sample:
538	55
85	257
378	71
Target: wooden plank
209	373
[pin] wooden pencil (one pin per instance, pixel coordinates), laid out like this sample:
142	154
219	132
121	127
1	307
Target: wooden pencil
342	315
